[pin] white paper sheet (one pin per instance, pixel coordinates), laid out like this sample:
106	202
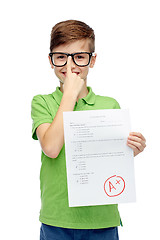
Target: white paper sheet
100	166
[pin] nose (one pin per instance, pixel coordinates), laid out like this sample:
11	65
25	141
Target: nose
70	58
72	64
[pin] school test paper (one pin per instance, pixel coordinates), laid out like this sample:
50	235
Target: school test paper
100	165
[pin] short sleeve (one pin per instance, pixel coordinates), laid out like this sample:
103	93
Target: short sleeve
39	113
117	106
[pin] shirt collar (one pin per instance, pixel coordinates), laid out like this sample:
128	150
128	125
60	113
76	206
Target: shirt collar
89	99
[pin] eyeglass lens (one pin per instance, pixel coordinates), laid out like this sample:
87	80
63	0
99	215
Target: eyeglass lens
81	59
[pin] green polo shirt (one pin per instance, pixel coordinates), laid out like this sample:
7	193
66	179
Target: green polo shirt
55	210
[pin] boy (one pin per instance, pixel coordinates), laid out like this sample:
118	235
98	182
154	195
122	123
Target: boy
71	55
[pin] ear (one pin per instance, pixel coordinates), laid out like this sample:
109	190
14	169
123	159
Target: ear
52	66
93	60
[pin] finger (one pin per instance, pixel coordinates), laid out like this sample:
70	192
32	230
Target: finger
69	65
133	147
138	135
137	139
137	145
135	150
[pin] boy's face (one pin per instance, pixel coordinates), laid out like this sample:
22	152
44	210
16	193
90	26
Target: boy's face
74	47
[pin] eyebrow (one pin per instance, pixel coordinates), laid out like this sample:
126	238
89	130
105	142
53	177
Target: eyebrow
71	53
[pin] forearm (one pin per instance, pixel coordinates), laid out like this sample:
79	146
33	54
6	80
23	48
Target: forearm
53	138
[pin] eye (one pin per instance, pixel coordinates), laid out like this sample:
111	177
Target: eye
61	57
79	57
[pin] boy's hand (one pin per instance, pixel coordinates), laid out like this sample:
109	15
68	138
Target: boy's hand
137	142
73	82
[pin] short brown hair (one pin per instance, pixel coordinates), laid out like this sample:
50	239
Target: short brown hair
70	31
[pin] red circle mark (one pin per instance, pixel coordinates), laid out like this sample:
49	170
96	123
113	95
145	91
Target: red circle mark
111	185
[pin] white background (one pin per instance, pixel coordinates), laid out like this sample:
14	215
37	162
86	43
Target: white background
127	68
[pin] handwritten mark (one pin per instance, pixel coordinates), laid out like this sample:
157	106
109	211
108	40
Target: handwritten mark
114	186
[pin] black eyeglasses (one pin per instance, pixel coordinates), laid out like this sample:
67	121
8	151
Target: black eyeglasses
81	59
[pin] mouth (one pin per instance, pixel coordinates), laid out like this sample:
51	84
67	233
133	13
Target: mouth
65	73
77	73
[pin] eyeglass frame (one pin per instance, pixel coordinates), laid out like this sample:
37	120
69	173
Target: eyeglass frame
72	55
